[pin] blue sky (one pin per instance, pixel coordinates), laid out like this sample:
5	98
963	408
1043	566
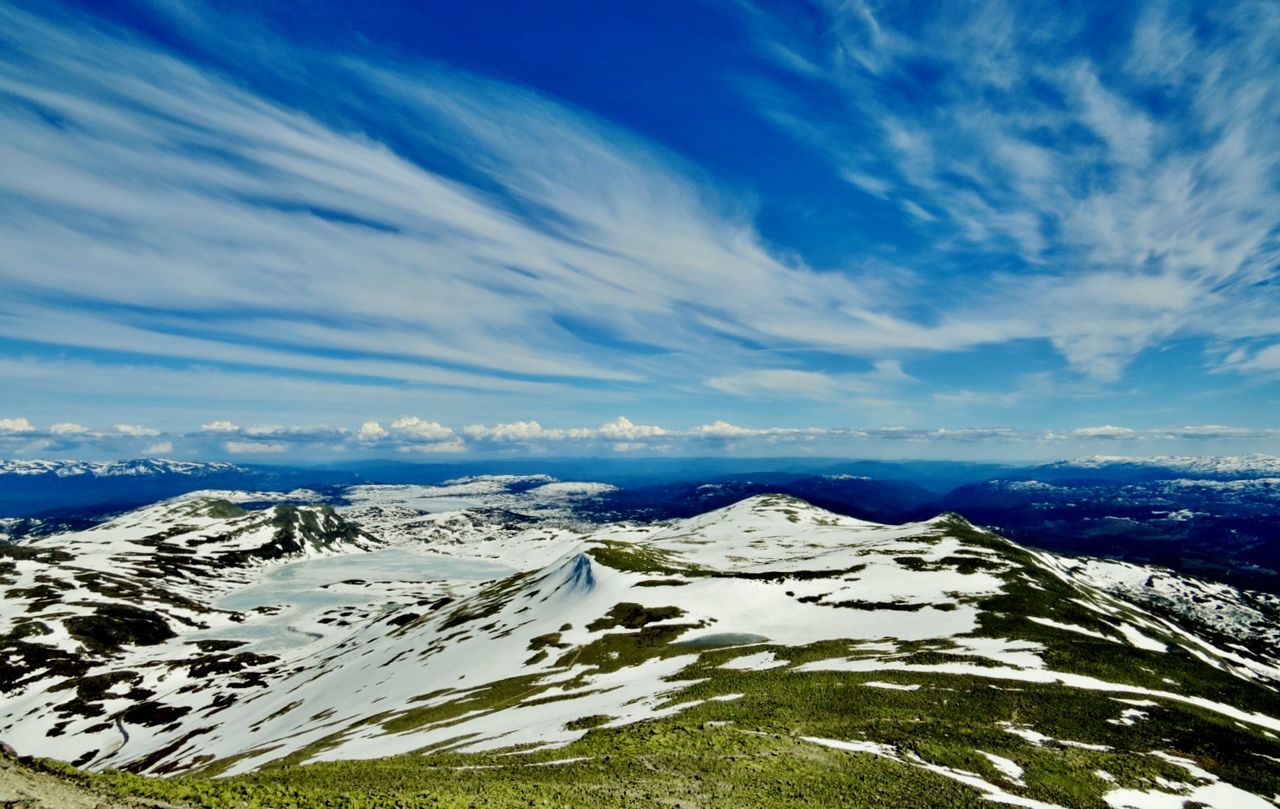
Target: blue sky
341	230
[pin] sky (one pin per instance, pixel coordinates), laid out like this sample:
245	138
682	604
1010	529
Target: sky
304	231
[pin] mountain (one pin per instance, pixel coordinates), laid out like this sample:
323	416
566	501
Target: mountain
1217	529
853	495
1213	527
1220	468
421	645
1210	517
109	469
75	493
62	489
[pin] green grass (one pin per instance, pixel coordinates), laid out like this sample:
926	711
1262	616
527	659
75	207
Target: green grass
631	557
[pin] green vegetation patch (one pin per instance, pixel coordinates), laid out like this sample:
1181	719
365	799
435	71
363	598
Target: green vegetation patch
224	510
114	625
34	553
630	615
631	557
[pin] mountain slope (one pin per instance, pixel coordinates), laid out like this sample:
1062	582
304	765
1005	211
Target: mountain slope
939	661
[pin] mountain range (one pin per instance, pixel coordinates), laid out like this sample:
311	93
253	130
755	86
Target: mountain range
416	643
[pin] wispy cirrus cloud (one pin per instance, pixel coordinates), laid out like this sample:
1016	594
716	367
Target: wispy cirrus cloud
792	383
1103	188
573	254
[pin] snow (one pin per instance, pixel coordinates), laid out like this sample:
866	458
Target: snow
1024	485
1041	676
540	494
1220	466
1129	716
627	694
1231	612
1140	703
1079	630
754	662
102	469
893	686
1008	768
990	791
1023	654
1140	640
874	748
308	589
1216	794
1037	738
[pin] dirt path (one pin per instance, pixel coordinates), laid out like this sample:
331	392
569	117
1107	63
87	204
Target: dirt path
24	787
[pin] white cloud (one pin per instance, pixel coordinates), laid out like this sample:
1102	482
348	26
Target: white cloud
622	428
221	426
136	430
1266	360
775	382
722	429
523	431
1132	199
254	447
789	383
67	428
371	431
15	426
456	283
414	427
515	431
1105	431
625	436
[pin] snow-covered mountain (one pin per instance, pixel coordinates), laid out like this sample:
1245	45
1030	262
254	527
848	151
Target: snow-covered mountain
1231	467
237	631
104	469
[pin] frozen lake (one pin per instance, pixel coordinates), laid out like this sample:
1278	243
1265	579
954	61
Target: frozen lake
305	590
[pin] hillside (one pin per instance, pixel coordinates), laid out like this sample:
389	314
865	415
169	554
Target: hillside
421	643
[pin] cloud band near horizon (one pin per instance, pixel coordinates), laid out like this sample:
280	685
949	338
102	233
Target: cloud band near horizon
411	436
